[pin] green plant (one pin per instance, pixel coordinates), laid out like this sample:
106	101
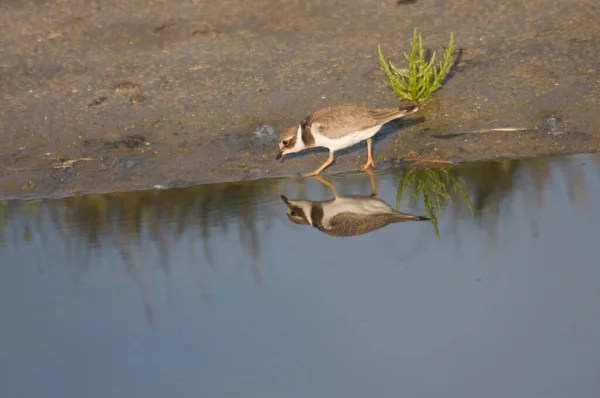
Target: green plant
435	185
422	77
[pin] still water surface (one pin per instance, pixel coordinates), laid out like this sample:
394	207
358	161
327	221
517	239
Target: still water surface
211	291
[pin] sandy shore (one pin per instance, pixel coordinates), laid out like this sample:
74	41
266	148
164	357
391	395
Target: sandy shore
139	93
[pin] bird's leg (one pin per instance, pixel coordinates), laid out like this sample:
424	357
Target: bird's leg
370	161
320	169
328	184
372	178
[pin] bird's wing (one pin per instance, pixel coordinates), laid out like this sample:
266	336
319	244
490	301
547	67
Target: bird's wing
381	116
352	224
354	209
336	122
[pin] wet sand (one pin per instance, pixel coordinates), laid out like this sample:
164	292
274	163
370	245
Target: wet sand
141	93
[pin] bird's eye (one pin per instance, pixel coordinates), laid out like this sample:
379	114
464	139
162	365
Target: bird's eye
293	213
285	142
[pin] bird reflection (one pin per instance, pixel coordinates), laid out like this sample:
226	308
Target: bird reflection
346	215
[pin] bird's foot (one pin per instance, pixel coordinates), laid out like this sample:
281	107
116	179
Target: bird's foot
369	163
304	175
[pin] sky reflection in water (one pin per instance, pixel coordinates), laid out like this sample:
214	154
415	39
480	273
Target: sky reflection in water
212	291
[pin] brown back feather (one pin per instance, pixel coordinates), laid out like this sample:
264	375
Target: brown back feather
352	224
335	122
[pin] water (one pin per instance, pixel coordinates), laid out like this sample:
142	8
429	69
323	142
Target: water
211	291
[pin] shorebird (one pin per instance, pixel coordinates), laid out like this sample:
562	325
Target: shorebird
345	215
338	127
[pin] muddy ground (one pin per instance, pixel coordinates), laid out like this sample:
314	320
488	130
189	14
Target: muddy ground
144	93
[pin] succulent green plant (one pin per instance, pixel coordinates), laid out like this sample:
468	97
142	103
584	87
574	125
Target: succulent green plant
423	76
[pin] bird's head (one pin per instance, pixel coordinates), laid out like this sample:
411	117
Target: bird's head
289	142
298	211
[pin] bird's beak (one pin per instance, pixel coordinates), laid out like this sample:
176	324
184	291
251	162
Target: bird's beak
285	200
279	155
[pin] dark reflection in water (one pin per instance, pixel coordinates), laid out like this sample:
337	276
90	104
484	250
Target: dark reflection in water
285	310
145	227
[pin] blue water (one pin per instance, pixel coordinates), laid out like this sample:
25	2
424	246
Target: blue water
212	292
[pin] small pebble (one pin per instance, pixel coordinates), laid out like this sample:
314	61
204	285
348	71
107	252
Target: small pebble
254	171
98	101
137	99
265	131
126	87
551	126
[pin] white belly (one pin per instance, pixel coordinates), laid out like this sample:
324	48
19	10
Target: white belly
358	205
344	142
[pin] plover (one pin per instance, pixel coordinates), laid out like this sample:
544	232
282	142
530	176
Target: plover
345	215
338	127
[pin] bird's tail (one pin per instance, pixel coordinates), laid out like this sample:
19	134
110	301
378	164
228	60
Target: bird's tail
406	109
386	115
409	217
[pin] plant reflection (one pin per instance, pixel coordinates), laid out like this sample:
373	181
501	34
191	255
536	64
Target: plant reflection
144	228
483	186
166	227
435	185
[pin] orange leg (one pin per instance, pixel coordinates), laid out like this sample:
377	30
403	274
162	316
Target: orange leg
320	169
328	184
370	161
